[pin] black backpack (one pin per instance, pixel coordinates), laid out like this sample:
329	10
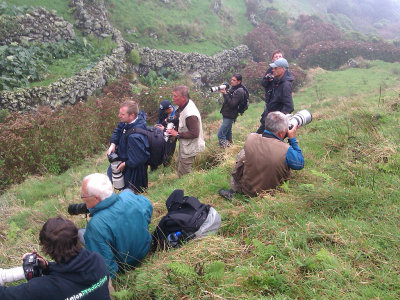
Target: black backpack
185	214
156	142
243	104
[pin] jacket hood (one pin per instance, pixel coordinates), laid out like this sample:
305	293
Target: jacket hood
82	269
141	120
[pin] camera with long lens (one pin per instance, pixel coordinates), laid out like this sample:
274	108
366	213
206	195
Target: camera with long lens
78	209
218	88
172	123
301	118
117	176
30	268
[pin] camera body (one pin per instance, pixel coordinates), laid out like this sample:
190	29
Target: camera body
301	118
78	209
269	76
117	176
172	123
218	88
31	266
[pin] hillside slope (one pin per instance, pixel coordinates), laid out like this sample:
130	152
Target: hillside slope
329	232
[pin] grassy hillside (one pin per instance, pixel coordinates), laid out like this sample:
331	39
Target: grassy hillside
329	232
188	26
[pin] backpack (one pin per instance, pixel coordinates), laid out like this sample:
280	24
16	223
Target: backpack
156	140
185	214
243	104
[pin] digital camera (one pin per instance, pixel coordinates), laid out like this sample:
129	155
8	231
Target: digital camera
117	176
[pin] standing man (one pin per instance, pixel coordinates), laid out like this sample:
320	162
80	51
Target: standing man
279	96
268	77
132	148
266	160
229	109
190	131
119	227
166	113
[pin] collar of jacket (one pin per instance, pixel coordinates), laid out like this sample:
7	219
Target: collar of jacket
269	134
104	204
234	88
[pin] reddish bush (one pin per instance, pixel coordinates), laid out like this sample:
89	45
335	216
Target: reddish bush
332	55
253	73
314	30
262	41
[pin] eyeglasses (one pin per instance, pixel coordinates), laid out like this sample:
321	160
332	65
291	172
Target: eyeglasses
83	197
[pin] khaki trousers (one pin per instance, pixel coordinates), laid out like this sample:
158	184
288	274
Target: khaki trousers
184	164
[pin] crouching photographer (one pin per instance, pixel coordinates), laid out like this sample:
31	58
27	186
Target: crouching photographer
75	274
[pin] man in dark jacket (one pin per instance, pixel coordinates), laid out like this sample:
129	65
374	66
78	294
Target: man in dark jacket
165	112
279	97
229	109
75	274
268	78
132	148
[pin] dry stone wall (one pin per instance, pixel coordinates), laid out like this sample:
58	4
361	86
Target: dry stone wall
38	25
91	18
202	68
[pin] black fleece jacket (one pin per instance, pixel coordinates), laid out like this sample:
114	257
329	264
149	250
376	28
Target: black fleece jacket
231	100
84	277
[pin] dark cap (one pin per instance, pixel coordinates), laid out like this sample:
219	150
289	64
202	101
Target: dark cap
165	104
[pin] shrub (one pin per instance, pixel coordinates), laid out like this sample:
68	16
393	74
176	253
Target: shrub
253	73
314	30
262	41
331	55
134	57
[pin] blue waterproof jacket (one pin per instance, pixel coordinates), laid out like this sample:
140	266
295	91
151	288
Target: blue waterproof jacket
134	150
119	229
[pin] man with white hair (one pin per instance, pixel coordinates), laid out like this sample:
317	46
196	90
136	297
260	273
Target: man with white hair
119	227
265	160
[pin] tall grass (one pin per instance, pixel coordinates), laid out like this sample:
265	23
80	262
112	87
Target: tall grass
330	232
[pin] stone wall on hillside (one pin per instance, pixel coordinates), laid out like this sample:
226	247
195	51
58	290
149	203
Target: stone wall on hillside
38	25
91	18
202	68
68	90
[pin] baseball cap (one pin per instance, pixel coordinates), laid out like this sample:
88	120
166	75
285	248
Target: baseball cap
280	62
165	104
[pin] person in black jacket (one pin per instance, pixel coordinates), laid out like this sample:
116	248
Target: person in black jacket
268	78
279	97
229	109
75	274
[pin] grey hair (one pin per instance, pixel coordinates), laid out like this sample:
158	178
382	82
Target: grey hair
276	122
99	185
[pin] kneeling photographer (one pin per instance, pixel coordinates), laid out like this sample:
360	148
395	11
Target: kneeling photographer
266	160
75	274
229	109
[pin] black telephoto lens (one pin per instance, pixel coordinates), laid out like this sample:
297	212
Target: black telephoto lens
77	209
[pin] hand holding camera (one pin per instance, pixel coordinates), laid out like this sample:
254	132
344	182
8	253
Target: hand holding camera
269	77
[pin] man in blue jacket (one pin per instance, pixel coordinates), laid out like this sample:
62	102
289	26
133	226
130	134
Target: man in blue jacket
75	274
132	148
279	96
119	227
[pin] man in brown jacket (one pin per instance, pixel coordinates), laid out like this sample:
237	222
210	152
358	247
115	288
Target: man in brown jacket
265	160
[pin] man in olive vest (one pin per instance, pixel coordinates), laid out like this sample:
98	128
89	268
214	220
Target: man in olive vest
265	160
190	131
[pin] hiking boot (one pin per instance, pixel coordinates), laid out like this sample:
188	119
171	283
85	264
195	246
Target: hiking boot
227	194
222	144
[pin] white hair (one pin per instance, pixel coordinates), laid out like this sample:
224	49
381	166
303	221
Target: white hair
99	185
276	122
